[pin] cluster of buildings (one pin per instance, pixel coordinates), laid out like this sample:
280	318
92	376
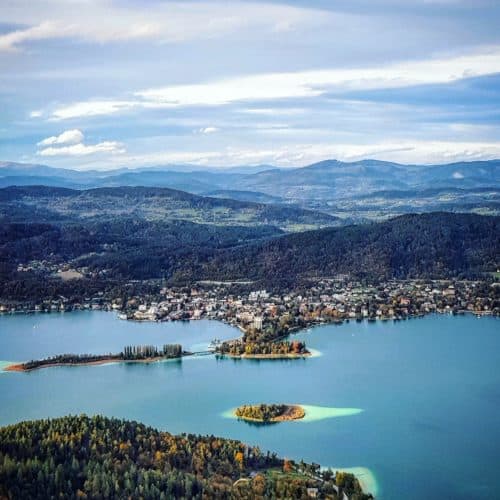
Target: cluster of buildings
321	301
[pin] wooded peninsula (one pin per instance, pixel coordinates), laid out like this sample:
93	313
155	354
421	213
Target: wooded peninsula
98	457
142	353
264	350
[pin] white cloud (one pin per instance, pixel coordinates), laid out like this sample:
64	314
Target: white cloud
74	136
273	111
70	143
92	108
302	84
10	41
208	130
314	83
457	175
168	22
83	149
36	113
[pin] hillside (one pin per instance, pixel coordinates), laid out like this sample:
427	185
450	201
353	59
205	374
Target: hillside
355	191
384	204
420	245
151	204
433	245
235	194
98	457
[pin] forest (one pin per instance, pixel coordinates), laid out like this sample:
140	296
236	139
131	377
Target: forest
129	353
78	457
435	245
410	246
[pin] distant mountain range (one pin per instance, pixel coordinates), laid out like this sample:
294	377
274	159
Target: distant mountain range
328	186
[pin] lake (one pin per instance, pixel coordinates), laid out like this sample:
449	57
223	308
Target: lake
413	405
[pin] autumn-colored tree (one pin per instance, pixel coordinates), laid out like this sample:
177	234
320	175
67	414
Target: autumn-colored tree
239	458
259	485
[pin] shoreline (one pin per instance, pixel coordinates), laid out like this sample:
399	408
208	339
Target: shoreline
267	356
19	368
292	412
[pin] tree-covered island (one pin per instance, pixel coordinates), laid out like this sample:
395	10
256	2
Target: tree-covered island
268	413
141	353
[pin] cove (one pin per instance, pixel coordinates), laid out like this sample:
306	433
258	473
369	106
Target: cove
429	389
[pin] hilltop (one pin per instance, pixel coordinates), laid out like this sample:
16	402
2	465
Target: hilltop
152	204
328	186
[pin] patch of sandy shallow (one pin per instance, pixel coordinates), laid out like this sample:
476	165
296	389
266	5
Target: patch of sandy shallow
366	478
314	353
316	413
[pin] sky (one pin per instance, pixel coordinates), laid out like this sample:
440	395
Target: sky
100	84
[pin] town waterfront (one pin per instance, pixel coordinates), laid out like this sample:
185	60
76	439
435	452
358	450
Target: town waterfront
427	391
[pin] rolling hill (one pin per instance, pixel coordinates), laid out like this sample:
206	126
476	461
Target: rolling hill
151	204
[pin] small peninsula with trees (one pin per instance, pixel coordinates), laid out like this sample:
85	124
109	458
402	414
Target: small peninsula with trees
270	413
141	353
264	350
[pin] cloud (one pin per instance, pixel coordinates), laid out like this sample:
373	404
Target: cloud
70	143
36	113
457	175
167	22
11	40
74	136
92	108
314	83
84	150
208	130
294	85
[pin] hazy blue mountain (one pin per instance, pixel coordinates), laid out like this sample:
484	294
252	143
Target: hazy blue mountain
320	186
332	179
244	196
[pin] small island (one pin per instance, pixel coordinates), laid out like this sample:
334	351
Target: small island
136	354
264	350
268	413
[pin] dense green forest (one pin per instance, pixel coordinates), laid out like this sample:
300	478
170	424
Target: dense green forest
433	245
98	458
410	246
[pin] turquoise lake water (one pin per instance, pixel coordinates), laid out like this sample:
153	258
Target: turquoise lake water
414	405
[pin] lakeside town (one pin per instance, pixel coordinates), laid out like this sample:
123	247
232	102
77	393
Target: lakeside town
272	314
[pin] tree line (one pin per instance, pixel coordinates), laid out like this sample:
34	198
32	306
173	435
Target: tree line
82	457
129	353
